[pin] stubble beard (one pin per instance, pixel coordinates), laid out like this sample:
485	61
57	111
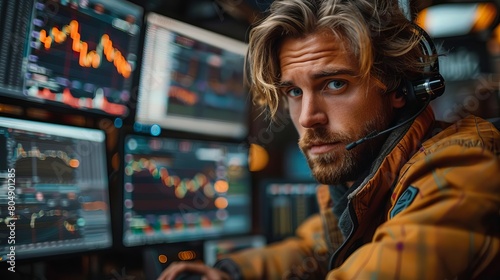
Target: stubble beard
340	165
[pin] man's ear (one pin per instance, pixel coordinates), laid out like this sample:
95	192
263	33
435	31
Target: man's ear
397	100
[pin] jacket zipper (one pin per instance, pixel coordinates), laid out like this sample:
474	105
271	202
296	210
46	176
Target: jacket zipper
335	255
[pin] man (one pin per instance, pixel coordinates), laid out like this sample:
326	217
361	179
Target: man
418	202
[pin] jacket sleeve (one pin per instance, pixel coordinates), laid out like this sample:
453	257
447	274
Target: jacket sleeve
447	227
304	255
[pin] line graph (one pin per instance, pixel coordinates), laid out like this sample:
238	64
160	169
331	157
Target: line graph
92	58
20	152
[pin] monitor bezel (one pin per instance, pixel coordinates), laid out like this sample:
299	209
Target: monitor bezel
151	112
190	240
75	132
13	96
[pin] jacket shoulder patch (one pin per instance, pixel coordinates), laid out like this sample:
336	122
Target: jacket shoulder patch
404	200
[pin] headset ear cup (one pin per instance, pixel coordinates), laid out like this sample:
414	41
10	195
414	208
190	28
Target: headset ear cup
426	89
432	87
431	84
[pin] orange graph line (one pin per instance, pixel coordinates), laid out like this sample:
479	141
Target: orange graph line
87	58
35	152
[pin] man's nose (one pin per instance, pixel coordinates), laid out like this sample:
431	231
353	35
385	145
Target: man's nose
313	111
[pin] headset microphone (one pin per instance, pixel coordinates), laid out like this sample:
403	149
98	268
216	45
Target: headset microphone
374	134
420	91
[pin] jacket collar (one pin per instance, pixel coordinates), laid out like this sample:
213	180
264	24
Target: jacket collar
397	150
367	203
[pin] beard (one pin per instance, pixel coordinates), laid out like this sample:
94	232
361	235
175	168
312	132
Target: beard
340	165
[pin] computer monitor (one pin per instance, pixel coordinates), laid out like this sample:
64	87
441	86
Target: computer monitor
54	190
192	80
177	190
78	54
286	204
214	250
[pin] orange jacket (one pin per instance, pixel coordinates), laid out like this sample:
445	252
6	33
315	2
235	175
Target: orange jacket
429	210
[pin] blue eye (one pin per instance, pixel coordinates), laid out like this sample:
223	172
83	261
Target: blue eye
294	92
335	85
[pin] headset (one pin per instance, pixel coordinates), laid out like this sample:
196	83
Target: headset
418	92
427	87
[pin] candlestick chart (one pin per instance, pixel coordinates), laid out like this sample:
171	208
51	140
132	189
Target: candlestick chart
185	190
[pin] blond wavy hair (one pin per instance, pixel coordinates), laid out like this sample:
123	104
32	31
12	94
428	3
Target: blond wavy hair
384	42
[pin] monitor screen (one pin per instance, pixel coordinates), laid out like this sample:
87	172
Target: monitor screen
73	53
54	190
286	204
214	250
192	80
179	190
